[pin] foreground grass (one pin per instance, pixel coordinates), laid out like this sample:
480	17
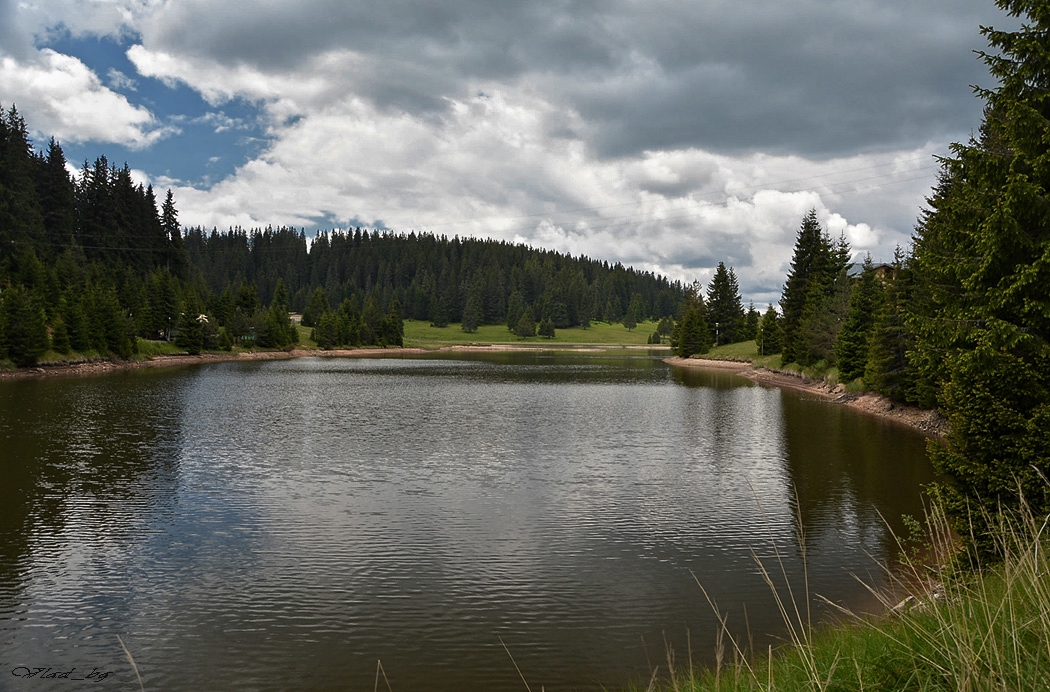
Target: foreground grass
974	629
420	334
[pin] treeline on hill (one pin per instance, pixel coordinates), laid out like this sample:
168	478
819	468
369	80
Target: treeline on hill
433	278
89	264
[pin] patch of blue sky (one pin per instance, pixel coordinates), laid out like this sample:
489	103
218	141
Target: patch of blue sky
205	143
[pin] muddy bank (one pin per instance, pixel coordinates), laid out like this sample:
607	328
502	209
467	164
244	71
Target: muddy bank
930	423
97	367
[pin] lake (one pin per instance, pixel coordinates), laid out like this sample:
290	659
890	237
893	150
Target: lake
435	523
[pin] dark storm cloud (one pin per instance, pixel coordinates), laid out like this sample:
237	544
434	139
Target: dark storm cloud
790	76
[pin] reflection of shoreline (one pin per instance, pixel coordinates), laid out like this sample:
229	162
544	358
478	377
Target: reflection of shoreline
98	367
929	423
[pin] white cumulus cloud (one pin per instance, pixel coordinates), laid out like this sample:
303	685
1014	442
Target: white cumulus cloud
60	96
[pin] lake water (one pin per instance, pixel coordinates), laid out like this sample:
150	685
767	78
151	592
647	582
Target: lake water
440	522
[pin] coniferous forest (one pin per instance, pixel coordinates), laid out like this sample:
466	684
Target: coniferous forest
91	262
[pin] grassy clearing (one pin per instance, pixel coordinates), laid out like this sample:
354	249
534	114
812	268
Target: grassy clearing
421	335
973	629
748	351
742	350
148	349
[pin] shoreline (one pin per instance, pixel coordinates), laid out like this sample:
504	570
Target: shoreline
104	366
929	423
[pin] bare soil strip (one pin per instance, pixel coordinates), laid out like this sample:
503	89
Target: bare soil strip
929	423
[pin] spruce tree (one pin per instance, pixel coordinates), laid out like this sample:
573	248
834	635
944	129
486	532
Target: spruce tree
191	325
472	314
692	332
749	327
768	339
23	330
526	324
982	272
851	347
317	306
725	312
808	265
889	371
515	307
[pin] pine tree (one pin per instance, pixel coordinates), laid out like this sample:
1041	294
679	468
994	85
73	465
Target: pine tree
665	327
176	260
749	327
515	308
23	329
393	326
692	332
822	318
60	336
472	314
371	322
326	333
851	347
277	330
769	336
889	371
317	306
811	276
981	264
526	324
723	305
191	327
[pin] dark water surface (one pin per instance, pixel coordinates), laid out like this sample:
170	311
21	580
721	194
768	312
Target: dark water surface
290	525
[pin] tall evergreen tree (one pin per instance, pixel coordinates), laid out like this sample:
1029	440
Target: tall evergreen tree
768	337
982	270
526	324
889	371
472	314
317	306
191	325
749	327
725	311
23	334
851	347
176	260
811	273
692	332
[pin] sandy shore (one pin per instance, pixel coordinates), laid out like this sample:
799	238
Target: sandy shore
930	423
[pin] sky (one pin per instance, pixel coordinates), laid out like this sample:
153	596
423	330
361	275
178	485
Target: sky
669	135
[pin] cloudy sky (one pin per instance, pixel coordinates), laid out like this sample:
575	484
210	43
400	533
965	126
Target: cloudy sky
665	134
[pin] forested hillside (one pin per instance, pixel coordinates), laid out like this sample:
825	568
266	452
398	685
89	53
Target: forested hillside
90	263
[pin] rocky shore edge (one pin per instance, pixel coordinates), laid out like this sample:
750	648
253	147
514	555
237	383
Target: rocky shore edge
930	423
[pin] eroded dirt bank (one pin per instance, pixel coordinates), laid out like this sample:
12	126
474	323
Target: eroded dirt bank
930	423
